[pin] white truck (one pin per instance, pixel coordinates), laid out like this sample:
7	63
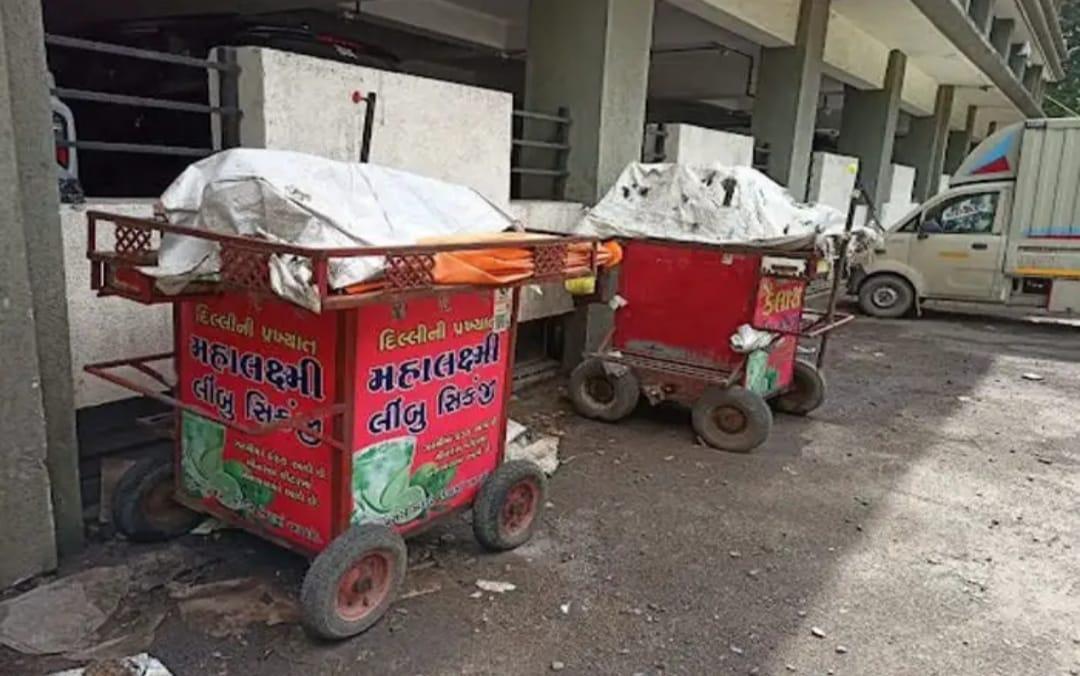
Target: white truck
1006	231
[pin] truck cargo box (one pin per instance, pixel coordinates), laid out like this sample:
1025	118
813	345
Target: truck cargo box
1044	240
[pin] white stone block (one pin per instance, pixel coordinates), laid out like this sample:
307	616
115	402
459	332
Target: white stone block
688	144
434	128
832	180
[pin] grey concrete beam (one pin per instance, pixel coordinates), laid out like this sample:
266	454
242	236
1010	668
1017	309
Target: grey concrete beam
27	525
40	211
924	147
960	142
1032	78
953	22
786	103
1017	60
981	13
868	128
1001	33
592	56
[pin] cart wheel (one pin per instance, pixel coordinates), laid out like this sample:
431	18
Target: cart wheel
143	508
602	395
504	514
732	419
807	392
352	583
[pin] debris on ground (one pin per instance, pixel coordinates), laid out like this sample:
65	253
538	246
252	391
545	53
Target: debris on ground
1035	377
423	590
32	625
133	637
210	526
227	608
523	444
496	587
88	628
557	666
142	664
817	632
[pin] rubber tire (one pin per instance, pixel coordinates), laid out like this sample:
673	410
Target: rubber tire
625	388
904	304
127	511
759	419
807	393
318	595
489	502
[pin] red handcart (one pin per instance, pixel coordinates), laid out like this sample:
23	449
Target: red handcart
677	307
334	433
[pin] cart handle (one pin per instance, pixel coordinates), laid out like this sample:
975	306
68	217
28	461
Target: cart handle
823	324
105	371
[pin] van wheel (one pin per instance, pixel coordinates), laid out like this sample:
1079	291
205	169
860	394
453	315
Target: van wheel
886	296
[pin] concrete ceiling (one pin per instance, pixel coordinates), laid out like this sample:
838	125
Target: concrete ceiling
901	25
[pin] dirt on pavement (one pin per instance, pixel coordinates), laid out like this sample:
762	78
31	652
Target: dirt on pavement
925	521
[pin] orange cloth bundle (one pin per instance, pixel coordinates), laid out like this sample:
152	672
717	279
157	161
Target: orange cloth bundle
499	265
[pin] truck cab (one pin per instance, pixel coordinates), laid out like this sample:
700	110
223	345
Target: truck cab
950	248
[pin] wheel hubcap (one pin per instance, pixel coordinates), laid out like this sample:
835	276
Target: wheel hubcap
600	390
519	507
364	586
729	419
885	297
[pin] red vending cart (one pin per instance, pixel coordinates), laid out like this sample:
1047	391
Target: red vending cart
678	306
332	433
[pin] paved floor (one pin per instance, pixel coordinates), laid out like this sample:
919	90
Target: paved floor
925	521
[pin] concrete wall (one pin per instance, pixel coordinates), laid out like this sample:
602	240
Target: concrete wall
689	144
439	129
105	328
832	179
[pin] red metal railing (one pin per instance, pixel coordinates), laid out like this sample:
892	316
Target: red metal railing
245	262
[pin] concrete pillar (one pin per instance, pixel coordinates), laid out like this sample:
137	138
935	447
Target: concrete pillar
1032	78
960	142
592	56
981	12
924	146
1017	61
868	128
1001	35
785	107
39	487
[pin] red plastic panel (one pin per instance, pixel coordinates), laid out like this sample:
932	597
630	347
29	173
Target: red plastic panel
684	302
253	363
432	384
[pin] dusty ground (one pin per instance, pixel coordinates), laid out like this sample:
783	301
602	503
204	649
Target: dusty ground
927	521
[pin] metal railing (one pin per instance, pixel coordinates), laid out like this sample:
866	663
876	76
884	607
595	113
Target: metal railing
541	147
227	111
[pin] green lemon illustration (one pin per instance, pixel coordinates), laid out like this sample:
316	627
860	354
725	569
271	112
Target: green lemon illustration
227	490
375	468
433	480
202	444
424	475
254	492
408	504
394	489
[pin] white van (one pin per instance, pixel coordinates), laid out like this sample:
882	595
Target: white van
1006	231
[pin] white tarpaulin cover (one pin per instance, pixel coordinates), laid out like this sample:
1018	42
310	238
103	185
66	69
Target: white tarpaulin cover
712	204
309	201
